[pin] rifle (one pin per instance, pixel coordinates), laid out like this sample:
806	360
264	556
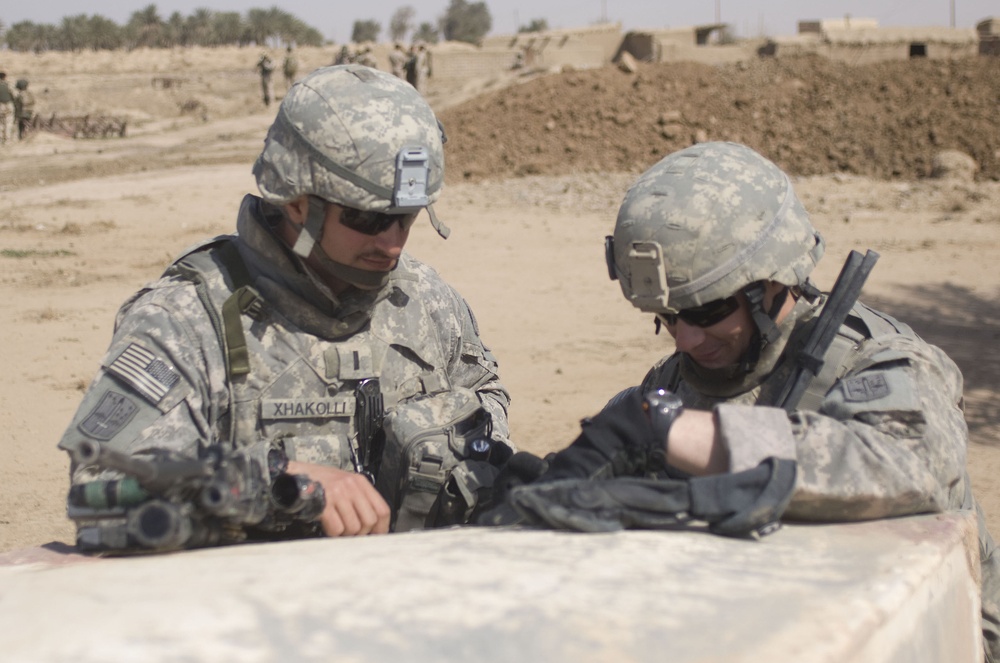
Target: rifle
808	361
369	416
169	503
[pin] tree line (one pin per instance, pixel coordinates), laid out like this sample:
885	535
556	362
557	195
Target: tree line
461	21
147	29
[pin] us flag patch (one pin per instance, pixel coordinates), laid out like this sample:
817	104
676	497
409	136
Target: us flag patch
140	369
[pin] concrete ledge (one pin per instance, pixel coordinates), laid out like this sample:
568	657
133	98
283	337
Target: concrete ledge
903	590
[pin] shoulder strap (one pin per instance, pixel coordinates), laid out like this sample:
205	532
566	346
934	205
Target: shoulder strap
836	361
244	298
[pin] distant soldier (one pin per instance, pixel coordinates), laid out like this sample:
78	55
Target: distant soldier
265	65
6	110
367	58
344	56
397	61
24	108
290	67
421	68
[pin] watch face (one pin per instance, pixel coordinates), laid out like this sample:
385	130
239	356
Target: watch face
662	408
661	401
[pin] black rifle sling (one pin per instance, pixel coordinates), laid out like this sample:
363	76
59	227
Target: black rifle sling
809	360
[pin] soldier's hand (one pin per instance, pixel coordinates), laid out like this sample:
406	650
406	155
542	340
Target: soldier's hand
353	506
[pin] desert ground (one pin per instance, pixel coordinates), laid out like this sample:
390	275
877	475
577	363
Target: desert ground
87	222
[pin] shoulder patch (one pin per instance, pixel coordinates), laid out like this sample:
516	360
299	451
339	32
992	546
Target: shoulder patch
109	416
472	317
143	371
863	388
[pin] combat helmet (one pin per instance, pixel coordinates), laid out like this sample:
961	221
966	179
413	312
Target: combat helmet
706	223
21	84
357	137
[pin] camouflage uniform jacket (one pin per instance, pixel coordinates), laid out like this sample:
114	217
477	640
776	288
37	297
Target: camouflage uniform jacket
164	383
885	435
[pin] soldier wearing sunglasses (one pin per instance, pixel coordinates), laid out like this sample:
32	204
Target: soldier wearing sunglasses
311	325
713	242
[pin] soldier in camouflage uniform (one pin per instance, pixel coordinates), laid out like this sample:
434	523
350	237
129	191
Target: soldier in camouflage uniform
713	241
269	333
265	67
6	110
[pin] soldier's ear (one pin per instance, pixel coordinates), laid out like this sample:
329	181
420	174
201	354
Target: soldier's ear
297	209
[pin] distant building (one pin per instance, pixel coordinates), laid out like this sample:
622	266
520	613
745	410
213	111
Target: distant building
860	40
989	36
822	26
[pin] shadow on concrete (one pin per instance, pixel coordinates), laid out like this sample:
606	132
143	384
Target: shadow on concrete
54	553
967	327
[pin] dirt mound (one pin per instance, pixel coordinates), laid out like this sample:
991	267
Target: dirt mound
809	114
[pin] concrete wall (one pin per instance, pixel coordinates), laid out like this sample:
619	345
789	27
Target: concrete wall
592	46
824	25
895	591
682	45
868	53
868	46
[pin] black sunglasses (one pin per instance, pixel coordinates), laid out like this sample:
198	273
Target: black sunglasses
705	315
374	223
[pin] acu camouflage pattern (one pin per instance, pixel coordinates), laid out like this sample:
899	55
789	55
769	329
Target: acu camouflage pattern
723	216
347	117
888	438
308	351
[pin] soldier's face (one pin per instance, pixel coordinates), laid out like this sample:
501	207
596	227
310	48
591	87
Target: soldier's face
718	345
723	344
375	253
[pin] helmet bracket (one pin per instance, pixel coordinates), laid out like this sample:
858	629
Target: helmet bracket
647	276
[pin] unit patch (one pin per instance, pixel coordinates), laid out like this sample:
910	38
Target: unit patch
111	415
308	408
864	388
142	371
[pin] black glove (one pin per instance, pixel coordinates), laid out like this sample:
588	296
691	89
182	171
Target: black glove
520	469
747	503
618	441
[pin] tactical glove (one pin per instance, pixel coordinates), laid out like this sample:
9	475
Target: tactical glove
618	441
748	503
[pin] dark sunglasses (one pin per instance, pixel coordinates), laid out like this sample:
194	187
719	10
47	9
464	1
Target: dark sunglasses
374	223
705	315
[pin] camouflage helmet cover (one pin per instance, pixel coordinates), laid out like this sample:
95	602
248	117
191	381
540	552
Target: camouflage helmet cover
338	134
704	223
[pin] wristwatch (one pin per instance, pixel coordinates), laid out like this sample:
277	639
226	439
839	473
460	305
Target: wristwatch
662	407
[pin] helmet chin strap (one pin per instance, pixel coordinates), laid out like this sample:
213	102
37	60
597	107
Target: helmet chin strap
312	229
767	331
308	244
364	279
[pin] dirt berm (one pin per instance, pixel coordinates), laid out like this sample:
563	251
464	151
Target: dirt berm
809	114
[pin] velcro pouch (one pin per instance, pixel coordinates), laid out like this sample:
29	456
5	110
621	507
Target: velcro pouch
425	440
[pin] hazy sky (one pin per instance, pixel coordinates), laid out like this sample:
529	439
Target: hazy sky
749	18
